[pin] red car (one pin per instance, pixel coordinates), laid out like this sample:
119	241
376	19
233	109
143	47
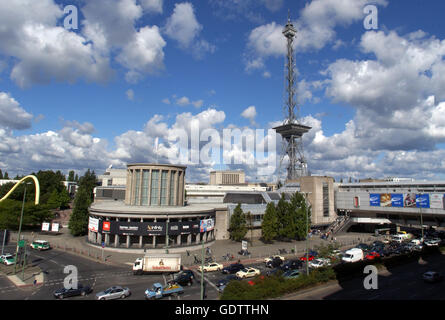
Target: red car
310	258
372	255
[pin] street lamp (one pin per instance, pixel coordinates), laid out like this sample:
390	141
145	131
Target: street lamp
307	231
20	229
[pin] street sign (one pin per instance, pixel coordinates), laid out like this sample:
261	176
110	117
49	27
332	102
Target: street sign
244	245
21	243
103	244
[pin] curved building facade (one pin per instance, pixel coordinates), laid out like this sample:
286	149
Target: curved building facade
152	214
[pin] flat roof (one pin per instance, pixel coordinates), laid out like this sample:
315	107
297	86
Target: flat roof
119	207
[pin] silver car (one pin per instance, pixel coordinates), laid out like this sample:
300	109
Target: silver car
116	292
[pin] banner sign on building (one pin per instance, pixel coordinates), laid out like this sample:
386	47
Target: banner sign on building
356	202
55	227
45	226
396	200
93	224
436	201
385	200
206	225
422	200
409	200
106	226
374	200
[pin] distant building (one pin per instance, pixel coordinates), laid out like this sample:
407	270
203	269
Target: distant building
227	177
113	177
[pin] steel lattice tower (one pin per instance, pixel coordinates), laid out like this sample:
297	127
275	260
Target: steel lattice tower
291	130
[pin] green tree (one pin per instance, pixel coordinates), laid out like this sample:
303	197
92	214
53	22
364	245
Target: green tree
297	217
269	227
76	178
1	174
88	181
78	223
71	175
64	199
53	201
237	227
282	210
6	176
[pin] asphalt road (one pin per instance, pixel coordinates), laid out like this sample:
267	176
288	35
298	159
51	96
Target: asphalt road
99	277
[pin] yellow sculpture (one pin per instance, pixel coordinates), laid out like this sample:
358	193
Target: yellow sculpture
36	182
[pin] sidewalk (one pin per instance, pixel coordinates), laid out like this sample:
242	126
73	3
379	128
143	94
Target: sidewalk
78	245
32	276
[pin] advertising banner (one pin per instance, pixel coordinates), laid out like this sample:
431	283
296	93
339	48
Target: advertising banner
385	200
45	226
409	200
183	227
93	224
396	200
243	245
206	225
422	200
106	226
374	200
55	227
436	201
356	202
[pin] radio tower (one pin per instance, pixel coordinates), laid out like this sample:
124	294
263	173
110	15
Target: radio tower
291	130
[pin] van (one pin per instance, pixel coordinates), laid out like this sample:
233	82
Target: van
400	237
40	245
353	255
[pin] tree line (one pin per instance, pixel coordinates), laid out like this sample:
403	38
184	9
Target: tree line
53	196
284	221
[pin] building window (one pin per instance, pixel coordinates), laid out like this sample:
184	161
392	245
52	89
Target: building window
172	188
325	200
136	191
144	196
154	187
164	175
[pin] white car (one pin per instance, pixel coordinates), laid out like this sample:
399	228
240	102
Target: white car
213	266
320	262
266	260
248	273
7	259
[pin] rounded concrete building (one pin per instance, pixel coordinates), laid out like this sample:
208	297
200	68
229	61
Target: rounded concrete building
150	212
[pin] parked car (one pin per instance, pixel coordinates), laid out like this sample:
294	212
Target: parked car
266	260
363	246
372	255
320	262
65	293
353	255
275	271
291	274
224	281
116	292
378	243
248	273
310	258
233	268
276	262
291	265
211	267
433	242
432	276
7	259
184	278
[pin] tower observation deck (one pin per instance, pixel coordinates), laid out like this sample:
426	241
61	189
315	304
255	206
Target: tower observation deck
292	130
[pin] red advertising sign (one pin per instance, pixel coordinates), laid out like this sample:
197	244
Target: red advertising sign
106	226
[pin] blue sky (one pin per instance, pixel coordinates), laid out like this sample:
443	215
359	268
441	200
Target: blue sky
137	70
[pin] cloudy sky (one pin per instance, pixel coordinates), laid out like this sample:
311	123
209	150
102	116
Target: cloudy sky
134	74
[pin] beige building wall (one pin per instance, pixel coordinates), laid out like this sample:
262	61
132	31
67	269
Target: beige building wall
227	177
323	205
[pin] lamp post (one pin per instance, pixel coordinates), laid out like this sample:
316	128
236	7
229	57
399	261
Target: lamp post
20	229
421	216
307	231
202	270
